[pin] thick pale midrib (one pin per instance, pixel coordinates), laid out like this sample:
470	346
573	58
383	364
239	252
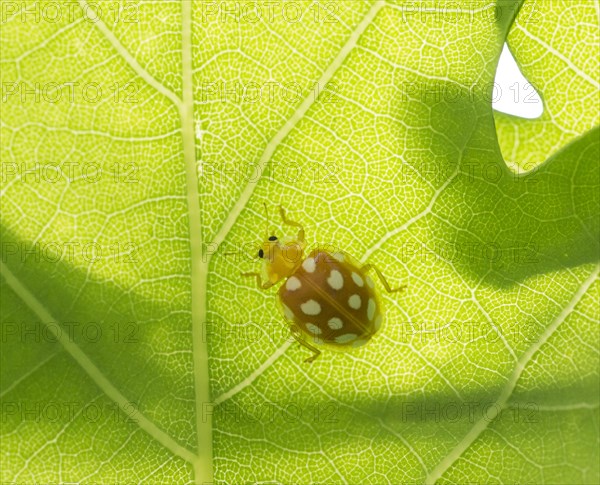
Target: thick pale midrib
293	120
203	463
90	368
501	402
74	351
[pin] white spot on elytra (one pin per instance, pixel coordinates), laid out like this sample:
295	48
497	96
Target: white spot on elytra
311	307
312	328
309	265
359	343
371	309
335	323
293	283
335	280
354	302
378	322
370	282
357	279
317	340
347	337
287	312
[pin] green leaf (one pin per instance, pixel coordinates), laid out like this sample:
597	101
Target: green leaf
554	43
133	350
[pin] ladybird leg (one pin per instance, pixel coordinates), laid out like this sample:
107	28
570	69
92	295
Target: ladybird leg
259	283
294	330
379	274
293	224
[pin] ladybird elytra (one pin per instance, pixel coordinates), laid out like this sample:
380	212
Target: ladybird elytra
328	298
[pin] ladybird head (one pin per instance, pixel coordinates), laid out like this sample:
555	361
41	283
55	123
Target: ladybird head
280	257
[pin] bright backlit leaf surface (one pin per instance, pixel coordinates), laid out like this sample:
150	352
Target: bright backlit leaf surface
139	145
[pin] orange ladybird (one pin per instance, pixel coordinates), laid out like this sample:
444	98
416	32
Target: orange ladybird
329	300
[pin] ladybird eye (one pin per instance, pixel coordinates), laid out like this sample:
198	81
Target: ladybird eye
261	253
273	238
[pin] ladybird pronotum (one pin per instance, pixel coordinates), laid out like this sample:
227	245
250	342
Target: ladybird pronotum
328	298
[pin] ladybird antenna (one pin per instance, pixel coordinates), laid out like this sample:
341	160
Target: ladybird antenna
267	219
